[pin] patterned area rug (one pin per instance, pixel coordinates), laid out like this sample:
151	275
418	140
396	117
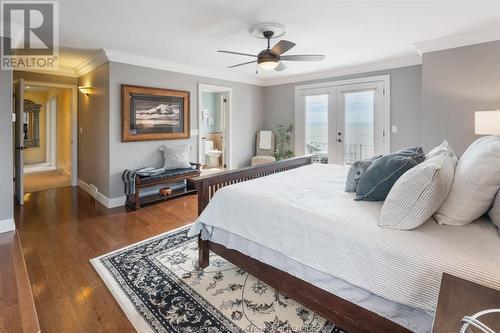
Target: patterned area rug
160	288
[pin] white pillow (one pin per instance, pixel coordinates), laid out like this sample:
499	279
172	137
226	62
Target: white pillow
176	156
443	147
477	180
494	212
419	192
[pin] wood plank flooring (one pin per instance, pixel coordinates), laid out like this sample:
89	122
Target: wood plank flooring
60	230
17	310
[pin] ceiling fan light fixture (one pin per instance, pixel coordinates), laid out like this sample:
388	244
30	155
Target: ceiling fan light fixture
269	64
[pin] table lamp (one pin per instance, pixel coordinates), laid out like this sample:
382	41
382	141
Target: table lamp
487	122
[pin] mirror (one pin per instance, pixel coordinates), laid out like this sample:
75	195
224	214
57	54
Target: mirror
31	124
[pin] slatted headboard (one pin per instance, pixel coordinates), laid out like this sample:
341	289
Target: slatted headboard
206	186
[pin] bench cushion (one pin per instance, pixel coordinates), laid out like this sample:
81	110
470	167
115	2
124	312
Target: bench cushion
169	174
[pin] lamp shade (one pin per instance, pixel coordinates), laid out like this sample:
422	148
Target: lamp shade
487	122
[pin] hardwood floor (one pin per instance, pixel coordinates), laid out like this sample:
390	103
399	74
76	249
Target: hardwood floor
17	310
60	230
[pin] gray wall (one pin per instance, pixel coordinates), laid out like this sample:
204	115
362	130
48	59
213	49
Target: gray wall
247	117
406	96
6	162
93	133
457	82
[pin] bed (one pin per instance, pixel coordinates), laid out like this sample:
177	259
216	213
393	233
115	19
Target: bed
293	226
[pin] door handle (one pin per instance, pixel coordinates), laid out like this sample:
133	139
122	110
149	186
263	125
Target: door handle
20	148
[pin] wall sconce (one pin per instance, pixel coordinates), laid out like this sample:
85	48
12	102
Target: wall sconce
487	122
87	90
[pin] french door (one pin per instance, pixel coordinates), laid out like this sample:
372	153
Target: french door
342	122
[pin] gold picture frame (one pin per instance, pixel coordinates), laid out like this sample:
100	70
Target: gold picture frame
154	114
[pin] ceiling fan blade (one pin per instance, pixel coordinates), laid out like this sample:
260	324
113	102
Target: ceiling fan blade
303	57
237	53
281	47
280	67
245	63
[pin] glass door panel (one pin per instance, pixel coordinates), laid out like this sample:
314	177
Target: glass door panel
360	122
316	126
358	125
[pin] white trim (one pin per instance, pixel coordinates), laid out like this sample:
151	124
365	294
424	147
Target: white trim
104	200
331	89
156	63
38	167
96	60
449	42
202	87
74	123
351	70
62	71
104	55
7	225
367	79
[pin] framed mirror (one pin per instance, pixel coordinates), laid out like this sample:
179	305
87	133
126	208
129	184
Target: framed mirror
31	124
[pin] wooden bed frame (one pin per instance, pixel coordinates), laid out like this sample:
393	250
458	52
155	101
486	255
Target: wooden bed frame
339	311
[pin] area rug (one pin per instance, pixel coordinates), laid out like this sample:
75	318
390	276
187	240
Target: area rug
160	287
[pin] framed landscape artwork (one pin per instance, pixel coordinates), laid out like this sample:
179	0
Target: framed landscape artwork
154	114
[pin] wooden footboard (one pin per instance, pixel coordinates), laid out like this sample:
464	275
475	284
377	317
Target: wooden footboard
347	315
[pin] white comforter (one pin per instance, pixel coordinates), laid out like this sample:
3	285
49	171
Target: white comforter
305	214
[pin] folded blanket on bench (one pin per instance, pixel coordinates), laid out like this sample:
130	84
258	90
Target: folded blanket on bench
128	177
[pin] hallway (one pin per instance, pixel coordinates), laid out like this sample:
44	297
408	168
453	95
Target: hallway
45	180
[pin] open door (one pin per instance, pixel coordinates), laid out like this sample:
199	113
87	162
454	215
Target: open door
19	140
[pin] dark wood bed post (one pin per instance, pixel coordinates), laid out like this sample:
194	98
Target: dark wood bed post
206	186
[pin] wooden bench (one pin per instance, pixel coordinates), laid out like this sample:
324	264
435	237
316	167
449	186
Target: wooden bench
135	201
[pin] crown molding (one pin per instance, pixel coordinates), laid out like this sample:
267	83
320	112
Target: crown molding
62	71
351	70
96	60
105	55
156	63
454	41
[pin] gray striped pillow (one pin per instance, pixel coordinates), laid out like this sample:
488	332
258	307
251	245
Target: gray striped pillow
419	193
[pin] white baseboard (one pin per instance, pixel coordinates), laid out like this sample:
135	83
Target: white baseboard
104	200
7	225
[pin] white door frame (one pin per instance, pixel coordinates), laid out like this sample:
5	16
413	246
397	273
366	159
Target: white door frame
74	123
202	87
331	88
51	110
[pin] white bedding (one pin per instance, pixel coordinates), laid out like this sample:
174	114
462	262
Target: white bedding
305	215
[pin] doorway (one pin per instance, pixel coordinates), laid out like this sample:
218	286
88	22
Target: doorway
45	135
344	121
214	136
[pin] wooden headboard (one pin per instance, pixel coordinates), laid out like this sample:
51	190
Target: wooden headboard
206	186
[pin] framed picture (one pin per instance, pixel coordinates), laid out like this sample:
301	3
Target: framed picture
154	114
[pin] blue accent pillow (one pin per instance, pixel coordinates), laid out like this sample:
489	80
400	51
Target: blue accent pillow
356	171
377	181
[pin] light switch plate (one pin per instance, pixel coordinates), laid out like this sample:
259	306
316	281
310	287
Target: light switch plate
394	129
13	117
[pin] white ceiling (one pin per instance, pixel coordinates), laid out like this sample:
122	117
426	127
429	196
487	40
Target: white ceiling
188	32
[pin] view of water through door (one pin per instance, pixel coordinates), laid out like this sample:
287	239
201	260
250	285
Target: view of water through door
316	126
344	121
358	125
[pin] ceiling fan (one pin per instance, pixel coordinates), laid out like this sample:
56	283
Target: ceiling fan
272	58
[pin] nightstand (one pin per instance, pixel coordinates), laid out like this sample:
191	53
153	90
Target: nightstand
459	297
